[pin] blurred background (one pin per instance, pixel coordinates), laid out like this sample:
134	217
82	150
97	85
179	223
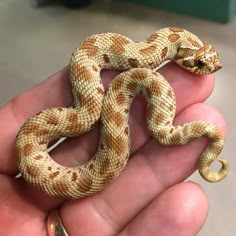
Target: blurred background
36	42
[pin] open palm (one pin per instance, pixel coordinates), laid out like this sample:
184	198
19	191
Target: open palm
149	197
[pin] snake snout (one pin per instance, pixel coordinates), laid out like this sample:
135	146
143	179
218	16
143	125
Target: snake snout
218	66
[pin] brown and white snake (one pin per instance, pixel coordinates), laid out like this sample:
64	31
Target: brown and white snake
138	59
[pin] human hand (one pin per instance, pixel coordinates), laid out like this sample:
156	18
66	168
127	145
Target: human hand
148	198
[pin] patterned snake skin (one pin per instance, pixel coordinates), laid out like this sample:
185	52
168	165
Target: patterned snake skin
109	50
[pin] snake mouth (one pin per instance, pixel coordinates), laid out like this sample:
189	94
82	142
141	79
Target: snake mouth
217	67
208	70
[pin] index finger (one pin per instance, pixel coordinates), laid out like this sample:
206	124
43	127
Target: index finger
19	109
56	91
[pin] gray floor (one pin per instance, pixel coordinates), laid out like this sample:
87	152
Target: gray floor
36	43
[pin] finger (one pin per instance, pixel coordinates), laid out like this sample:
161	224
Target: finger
189	88
20	214
180	210
14	114
56	92
53	92
151	170
86	145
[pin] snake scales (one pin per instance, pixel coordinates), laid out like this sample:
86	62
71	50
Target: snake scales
138	59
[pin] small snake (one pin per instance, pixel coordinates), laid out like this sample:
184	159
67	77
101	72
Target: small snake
138	59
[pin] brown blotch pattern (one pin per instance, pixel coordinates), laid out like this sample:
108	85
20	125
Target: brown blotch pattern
120	99
119	39
91	166
148	50
152	65
38	157
114	116
101	145
90	47
118	44
73	123
155	88
175	29
74	176
33	170
109	141
126	110
133	62
84	185
106	58
139	74
88	42
95	68
194	42
60	187
92	51
41	132
100	90
132	86
91	104
27	149
164	52
118	84
173	37
170	93
104	167
161	134
152	38
195	129
52	119
171	107
84	73
159	118
126	130
54	174
72	117
30	128
119	145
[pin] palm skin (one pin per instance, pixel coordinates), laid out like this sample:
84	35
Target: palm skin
149	197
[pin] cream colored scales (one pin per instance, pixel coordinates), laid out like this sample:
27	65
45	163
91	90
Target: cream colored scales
109	50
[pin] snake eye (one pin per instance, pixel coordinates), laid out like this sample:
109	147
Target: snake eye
200	63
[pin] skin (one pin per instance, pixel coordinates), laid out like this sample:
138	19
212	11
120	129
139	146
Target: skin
149	198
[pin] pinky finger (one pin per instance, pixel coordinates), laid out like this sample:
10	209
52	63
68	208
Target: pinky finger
180	210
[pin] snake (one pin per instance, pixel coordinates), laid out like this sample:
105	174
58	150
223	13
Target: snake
138	63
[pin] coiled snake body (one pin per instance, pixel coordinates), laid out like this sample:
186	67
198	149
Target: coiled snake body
109	50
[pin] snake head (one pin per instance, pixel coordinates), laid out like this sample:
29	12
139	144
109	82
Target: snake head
204	60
